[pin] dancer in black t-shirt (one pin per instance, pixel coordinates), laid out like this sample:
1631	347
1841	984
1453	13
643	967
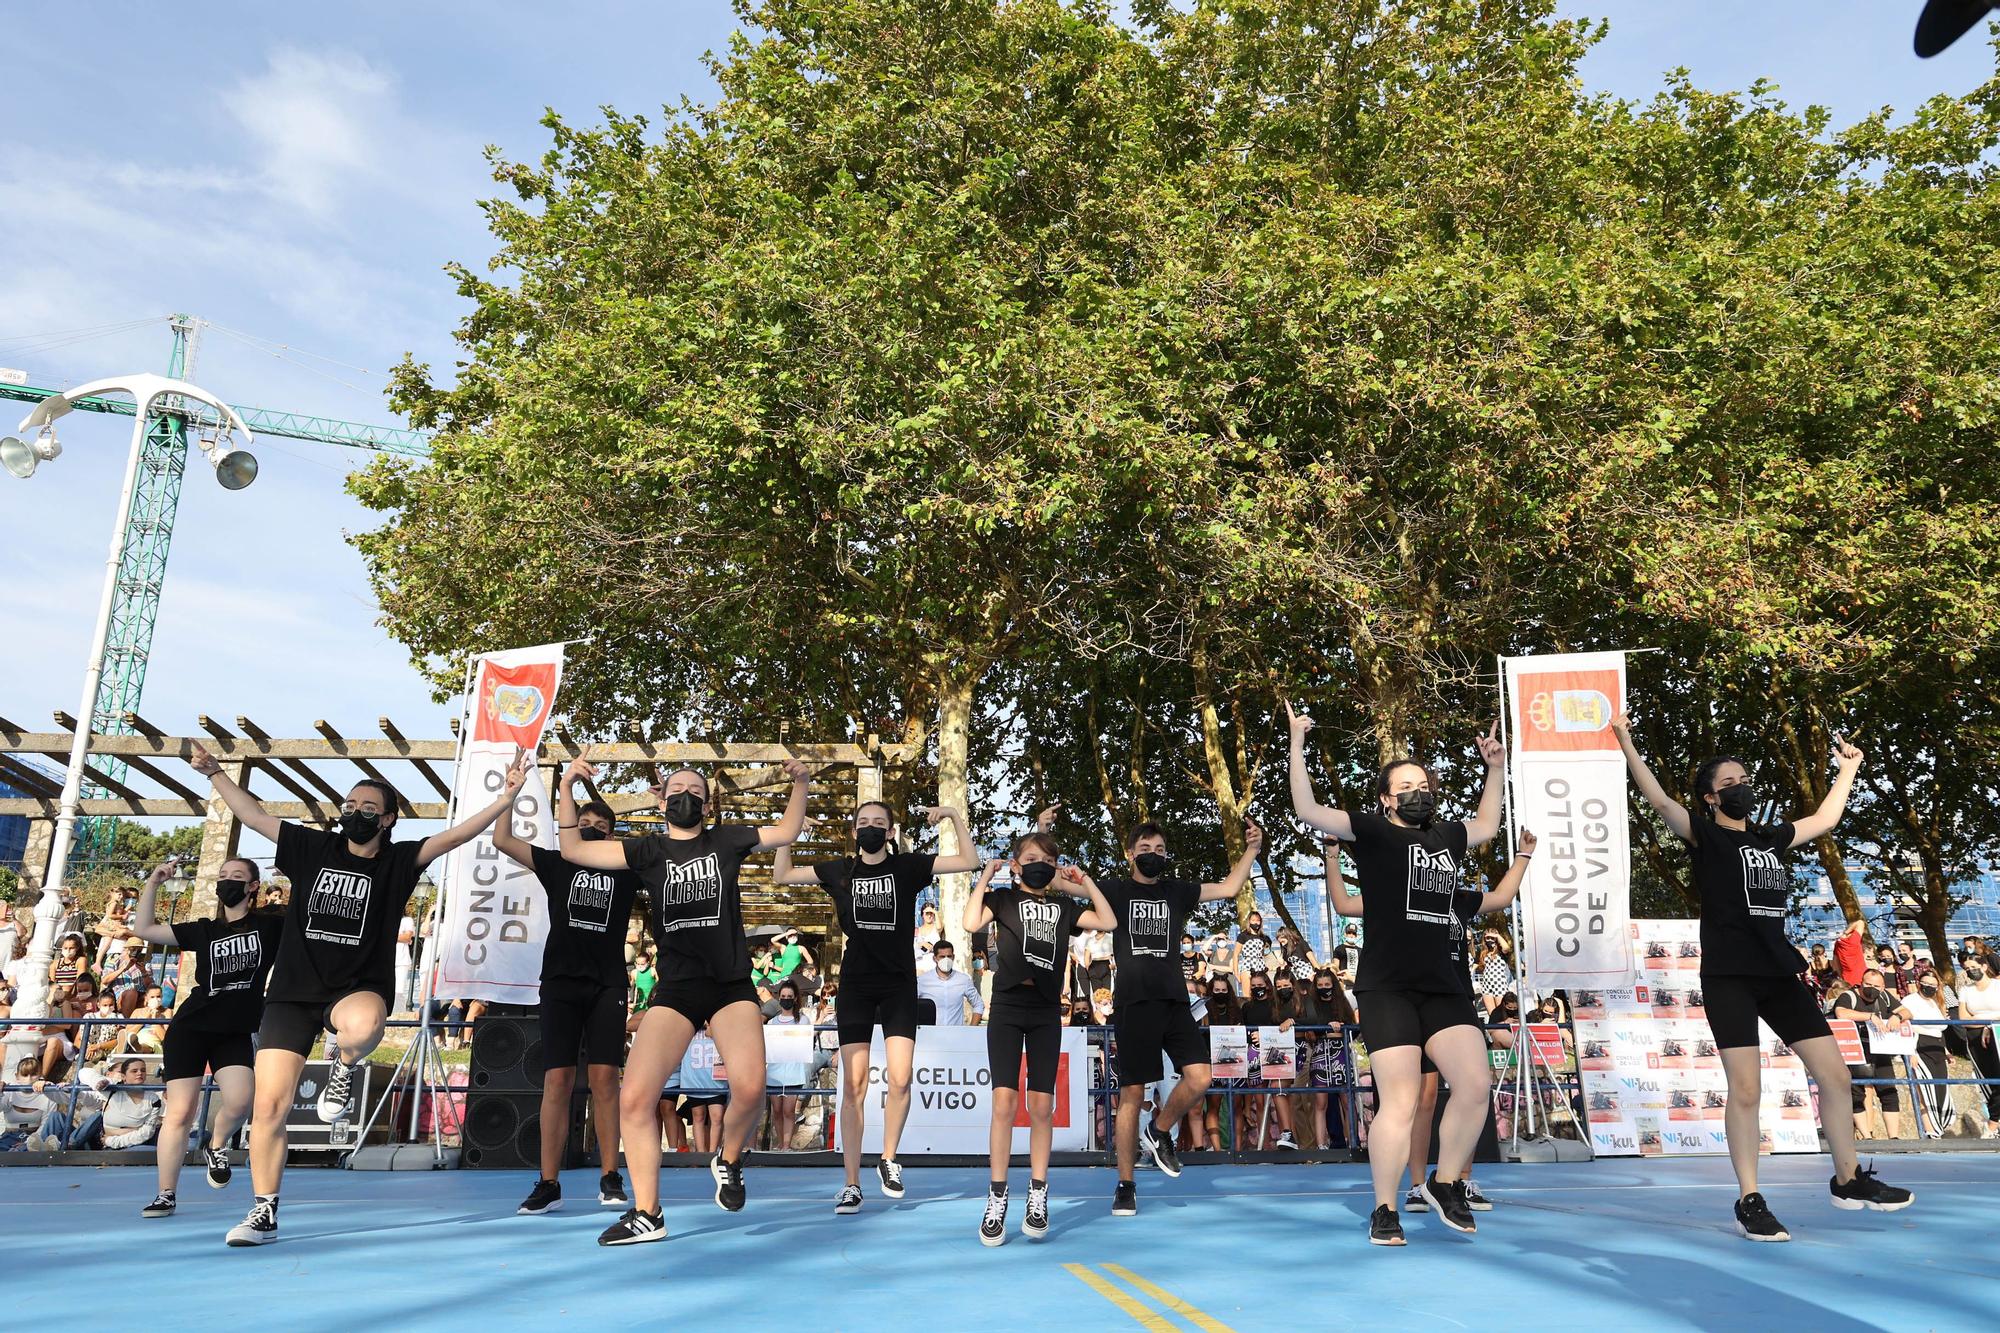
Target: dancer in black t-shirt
582	994
1033	920
336	964
1150	1005
212	1024
1750	970
690	878
1412	993
874	892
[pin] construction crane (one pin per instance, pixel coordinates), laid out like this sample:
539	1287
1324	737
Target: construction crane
142	560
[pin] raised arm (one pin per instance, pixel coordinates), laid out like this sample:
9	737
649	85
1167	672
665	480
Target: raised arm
793	822
784	872
1673	812
465	830
1821	821
510	844
248	810
1079	885
977	915
1239	874
966	858
1324	818
605	853
1484	825
143	921
1501	895
1345	903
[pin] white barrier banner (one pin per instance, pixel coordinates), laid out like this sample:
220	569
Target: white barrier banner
1568	780
496	919
951	1095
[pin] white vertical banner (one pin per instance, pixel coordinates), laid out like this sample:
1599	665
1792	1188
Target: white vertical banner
1568	780
495	918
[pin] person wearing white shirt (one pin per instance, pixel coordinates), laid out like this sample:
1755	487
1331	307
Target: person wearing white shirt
1934	1108
950	989
406	963
1979	999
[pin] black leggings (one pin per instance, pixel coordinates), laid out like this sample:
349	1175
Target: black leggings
1878	1066
1986	1059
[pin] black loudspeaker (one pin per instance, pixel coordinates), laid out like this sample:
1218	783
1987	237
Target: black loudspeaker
503	1102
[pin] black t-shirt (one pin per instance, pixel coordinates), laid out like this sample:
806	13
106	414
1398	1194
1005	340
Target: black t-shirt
1881	1006
1145	943
1464	910
697	909
232	961
1259	1013
1745	891
588	913
1190	968
1410	878
340	926
1034	931
877	906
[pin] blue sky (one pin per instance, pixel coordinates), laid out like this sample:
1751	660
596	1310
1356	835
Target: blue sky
301	174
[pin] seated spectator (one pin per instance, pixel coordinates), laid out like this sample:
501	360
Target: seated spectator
9	931
107	1037
132	976
154	1035
21	1105
808	975
112	932
117	1114
949	989
68	965
1501	1022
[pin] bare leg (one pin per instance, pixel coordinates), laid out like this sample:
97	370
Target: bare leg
901	1056
657	1049
1742	1066
1821	1057
738	1030
557	1085
277	1084
853	1106
1397	1081
1420	1129
1000	1136
1041	1133
176	1117
1460	1055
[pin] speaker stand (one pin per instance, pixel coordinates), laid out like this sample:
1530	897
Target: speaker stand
412	1156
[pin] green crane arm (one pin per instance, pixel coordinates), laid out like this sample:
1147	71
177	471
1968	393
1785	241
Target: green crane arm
290	425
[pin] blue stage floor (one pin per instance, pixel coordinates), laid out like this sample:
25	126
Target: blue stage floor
1612	1245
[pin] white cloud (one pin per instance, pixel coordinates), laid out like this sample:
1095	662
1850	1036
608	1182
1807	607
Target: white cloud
318	124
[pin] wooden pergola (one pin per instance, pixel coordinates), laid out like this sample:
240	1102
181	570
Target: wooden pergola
306	778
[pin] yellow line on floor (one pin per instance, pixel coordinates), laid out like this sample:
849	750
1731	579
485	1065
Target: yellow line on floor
1147	1318
1180	1307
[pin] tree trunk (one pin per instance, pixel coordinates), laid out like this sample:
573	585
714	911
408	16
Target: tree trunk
1220	777
957	682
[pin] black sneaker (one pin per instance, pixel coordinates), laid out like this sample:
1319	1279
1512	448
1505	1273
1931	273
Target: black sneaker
889	1175
729	1191
1474	1200
1448	1198
611	1191
1384	1227
1865	1191
161	1206
1159	1147
849	1200
259	1228
1035	1222
1414	1201
545	1197
336	1099
993	1226
218	1167
1125	1199
634	1228
1754	1220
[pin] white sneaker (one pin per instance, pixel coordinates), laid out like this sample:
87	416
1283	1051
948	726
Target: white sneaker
1285	1140
336	1099
260	1228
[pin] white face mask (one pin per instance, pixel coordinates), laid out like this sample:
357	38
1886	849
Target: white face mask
944	966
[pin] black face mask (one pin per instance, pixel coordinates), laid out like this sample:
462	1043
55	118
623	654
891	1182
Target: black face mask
592	833
1219	996
1974	973
1151	864
231	892
684	810
1738	801
360	826
1416	807
787	1003
1869	993
1284	992
1038	875
871	839
1258	992
1324	994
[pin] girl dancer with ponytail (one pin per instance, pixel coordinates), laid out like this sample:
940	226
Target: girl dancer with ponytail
874	892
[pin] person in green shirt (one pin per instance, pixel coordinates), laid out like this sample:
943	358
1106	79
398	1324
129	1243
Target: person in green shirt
644	978
790	954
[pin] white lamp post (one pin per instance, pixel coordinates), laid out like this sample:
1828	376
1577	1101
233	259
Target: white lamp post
235	469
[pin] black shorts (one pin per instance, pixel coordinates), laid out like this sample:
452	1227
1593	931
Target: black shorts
861	1008
694	1101
1878	1066
1148	1028
1734	1004
1014	1029
1391	1018
699	1001
582	1018
297	1025
189	1052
